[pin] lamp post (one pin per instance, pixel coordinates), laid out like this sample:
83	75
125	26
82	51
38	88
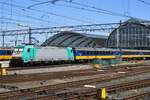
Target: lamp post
119	42
3	39
30	41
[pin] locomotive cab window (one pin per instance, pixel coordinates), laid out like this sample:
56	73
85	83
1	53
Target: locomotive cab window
28	50
16	50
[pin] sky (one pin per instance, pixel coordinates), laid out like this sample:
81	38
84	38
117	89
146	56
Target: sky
20	14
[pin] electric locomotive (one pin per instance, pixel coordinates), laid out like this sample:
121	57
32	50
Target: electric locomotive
29	54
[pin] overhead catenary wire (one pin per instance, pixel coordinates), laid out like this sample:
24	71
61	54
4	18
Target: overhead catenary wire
38	4
14	20
31	17
84	9
36	0
89	27
46	12
81	8
53	2
100	10
18	21
96	8
144	2
9	20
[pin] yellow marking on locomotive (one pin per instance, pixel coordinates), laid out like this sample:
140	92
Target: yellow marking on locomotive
5	57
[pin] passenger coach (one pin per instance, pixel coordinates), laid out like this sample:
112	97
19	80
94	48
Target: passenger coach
5	54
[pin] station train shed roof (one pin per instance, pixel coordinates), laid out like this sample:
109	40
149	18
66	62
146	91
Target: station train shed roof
73	39
133	34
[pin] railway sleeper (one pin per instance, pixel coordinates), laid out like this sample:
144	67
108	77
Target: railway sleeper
128	86
144	96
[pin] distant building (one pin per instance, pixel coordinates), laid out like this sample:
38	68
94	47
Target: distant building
72	39
133	34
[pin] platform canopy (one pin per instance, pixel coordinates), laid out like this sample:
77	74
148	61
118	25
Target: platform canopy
73	39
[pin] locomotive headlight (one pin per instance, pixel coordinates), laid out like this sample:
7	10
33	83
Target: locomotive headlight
20	50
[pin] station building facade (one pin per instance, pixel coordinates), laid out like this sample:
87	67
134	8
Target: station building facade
132	34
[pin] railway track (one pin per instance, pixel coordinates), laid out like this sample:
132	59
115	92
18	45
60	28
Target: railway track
139	97
44	66
84	93
47	76
54	75
32	92
62	74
